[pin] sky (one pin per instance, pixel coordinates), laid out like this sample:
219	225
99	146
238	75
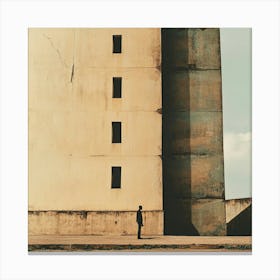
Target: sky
237	97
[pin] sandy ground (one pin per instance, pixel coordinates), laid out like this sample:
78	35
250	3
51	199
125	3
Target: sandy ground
127	240
95	243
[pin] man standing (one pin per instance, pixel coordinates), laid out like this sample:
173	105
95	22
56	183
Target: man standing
139	221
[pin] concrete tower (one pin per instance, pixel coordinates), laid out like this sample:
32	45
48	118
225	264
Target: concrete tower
193	173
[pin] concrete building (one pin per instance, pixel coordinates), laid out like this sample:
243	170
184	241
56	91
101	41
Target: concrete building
72	112
123	117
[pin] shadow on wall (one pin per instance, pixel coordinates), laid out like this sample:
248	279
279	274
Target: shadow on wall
241	225
176	154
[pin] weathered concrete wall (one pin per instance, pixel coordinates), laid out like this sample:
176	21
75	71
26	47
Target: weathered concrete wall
239	217
71	111
193	175
236	206
208	216
93	222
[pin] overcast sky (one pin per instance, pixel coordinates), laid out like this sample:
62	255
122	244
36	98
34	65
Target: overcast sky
236	81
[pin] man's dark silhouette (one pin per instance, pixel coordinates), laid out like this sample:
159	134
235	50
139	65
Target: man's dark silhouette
139	221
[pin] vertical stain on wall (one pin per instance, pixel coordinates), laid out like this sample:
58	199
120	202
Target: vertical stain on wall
72	73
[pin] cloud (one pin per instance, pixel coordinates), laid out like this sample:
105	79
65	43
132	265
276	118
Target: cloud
237	162
237	146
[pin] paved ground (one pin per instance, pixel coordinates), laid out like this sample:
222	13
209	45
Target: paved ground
131	243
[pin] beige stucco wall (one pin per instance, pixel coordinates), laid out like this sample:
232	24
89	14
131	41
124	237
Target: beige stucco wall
70	114
84	183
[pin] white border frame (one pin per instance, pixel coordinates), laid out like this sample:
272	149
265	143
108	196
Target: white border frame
17	16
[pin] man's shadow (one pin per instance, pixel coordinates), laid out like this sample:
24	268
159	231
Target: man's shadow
148	237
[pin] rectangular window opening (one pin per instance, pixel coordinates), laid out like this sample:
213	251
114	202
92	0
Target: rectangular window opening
117	87
116	132
116	177
117	43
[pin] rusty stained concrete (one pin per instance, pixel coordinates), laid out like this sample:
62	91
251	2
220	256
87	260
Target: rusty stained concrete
93	222
71	111
208	216
196	171
204	90
202	136
193	175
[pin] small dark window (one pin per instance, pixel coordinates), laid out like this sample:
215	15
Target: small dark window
117	87
116	177
117	43
116	132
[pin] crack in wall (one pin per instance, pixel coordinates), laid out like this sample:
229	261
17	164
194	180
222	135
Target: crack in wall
57	50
